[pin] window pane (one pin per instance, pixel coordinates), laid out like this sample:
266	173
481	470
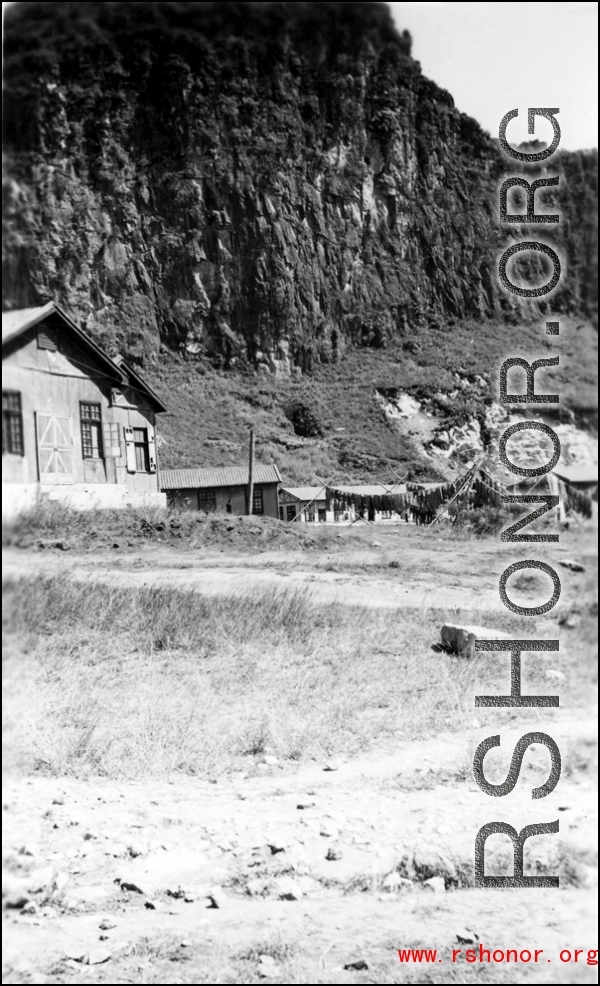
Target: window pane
257	501
139	435
207	500
12	423
141	458
91	440
11	400
91	412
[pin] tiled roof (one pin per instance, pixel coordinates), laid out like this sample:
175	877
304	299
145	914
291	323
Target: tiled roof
199	479
577	474
376	489
306	492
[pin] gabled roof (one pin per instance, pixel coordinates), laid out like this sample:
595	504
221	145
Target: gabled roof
16	323
202	479
137	382
375	489
577	474
305	492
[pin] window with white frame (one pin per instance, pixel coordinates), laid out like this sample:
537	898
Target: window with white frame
91	430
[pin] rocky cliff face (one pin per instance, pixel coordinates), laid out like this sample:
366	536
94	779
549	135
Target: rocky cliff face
262	183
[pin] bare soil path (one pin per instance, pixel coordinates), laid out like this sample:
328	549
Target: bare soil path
316	870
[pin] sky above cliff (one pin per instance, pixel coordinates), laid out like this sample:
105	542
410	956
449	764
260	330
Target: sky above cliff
495	57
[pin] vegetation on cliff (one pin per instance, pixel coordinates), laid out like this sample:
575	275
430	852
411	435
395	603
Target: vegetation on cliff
261	187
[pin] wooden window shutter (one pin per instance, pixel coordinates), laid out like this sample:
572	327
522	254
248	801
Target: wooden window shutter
151	451
110	435
130	449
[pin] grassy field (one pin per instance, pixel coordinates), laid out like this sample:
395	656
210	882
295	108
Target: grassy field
137	682
348	438
170	735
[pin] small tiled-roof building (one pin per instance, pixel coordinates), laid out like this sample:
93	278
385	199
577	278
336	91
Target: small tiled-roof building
583	478
77	424
308	503
224	489
338	504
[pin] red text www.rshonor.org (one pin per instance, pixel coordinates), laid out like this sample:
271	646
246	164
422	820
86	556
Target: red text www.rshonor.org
499	956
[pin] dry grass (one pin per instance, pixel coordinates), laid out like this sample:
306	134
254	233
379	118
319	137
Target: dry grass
145	682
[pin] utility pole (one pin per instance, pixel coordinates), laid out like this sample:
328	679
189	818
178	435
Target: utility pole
251	475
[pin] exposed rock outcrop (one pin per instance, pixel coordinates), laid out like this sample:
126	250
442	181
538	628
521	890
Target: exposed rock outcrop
260	182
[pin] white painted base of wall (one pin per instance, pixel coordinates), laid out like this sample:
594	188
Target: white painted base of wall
17	497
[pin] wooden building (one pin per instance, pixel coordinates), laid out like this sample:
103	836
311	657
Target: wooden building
308	503
223	490
584	478
77	425
344	504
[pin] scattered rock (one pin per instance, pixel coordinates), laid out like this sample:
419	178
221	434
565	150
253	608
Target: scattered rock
131	886
29	849
75	955
30	908
41	879
58	800
426	861
394	882
107	924
461	639
216	897
97	956
435	883
288	888
137	849
61	880
256	887
270	761
334	853
359	966
268	967
574	566
306	804
466	937
14	895
332	765
154	905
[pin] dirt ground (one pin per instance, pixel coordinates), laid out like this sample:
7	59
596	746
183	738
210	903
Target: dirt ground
358	565
316	872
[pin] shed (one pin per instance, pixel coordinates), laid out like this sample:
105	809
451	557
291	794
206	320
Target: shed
583	478
224	489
